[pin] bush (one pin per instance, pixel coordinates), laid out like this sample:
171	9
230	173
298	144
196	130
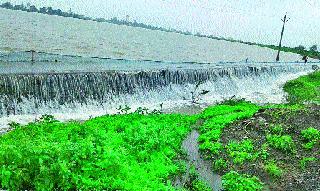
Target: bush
212	148
234	181
283	143
304	162
273	170
311	134
277	129
219	164
199	185
241	151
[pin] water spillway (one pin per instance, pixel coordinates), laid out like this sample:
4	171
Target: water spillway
98	88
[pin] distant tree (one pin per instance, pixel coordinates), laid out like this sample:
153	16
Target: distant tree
300	47
43	10
57	12
50	11
7	5
314	48
19	7
33	8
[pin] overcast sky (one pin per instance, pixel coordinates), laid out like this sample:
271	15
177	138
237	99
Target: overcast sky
249	20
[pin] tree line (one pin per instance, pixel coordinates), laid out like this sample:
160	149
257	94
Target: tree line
312	52
59	12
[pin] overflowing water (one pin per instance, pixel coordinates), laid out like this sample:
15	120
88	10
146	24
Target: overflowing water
80	90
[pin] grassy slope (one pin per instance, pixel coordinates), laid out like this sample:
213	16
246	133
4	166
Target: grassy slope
126	152
305	88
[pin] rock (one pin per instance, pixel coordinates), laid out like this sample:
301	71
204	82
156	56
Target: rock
315	67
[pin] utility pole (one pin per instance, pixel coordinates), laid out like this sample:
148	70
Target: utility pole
32	55
284	20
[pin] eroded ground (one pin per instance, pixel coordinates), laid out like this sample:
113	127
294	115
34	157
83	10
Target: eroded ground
280	146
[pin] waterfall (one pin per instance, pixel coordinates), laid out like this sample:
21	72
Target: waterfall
80	94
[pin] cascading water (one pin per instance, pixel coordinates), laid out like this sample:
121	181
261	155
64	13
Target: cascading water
71	94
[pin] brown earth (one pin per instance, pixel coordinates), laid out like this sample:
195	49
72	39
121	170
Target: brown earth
294	177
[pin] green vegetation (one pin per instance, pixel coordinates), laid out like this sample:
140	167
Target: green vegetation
234	181
142	150
311	136
219	164
217	117
273	170
199	185
277	129
241	151
304	162
305	88
283	143
118	152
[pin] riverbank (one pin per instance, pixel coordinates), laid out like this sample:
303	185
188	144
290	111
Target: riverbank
277	148
252	147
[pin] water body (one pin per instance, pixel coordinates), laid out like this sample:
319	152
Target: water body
204	168
79	88
47	33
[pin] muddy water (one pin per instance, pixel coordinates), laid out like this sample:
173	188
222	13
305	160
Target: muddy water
206	174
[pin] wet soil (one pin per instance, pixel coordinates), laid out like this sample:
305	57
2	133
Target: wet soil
294	178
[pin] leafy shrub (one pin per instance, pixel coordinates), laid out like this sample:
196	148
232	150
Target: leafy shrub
283	143
304	162
233	181
14	125
199	185
241	151
273	170
219	164
263	153
311	134
212	148
47	119
277	129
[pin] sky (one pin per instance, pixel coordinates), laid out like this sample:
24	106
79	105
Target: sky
247	20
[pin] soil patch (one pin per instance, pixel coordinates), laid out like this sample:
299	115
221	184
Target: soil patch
298	173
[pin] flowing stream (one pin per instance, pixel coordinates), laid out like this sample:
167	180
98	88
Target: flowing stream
80	88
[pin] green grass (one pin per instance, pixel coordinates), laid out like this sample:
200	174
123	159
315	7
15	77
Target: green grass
304	89
118	152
